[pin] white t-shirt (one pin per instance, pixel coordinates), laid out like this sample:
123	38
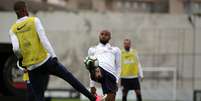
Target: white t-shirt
109	59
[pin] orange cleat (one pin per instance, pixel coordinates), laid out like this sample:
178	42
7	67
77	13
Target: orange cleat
98	98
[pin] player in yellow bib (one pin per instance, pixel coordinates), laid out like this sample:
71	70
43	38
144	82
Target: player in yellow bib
131	71
37	56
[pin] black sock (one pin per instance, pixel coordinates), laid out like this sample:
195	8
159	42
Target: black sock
124	98
139	97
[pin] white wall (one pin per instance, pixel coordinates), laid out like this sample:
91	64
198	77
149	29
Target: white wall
162	40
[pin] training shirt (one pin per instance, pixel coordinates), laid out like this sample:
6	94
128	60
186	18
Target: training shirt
42	38
109	59
131	67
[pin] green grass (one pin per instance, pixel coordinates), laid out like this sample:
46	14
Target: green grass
65	100
77	100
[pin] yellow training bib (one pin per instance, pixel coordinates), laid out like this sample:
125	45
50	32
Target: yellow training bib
30	45
129	63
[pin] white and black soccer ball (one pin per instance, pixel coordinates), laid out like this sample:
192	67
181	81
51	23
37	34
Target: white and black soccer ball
91	62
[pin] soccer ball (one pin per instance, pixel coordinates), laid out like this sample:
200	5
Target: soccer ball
91	62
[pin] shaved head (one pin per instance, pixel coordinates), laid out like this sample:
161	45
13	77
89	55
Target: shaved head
106	32
104	37
127	44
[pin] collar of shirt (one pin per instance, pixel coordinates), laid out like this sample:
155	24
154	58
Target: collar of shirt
129	50
21	19
102	45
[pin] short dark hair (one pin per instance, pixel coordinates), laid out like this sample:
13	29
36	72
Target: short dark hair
18	5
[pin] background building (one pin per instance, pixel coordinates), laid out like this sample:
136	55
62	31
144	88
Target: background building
133	6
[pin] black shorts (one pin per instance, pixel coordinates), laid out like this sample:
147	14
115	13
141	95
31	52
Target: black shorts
108	82
130	83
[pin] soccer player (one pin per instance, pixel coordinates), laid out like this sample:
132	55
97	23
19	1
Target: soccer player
108	71
37	56
131	71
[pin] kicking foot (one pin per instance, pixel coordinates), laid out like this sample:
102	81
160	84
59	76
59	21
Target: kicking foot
98	98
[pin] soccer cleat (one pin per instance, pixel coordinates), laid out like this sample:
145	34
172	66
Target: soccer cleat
98	98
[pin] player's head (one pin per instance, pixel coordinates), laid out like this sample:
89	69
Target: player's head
104	37
20	9
127	44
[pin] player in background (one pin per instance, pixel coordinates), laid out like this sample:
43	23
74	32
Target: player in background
37	56
131	71
108	70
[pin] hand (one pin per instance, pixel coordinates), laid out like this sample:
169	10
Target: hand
141	78
98	74
19	65
93	91
20	62
119	83
55	59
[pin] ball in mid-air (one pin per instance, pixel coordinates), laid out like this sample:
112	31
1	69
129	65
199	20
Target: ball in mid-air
91	62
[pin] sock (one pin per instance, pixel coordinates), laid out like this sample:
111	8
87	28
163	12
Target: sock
124	98
139	97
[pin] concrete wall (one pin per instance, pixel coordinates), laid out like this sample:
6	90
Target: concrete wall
162	40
